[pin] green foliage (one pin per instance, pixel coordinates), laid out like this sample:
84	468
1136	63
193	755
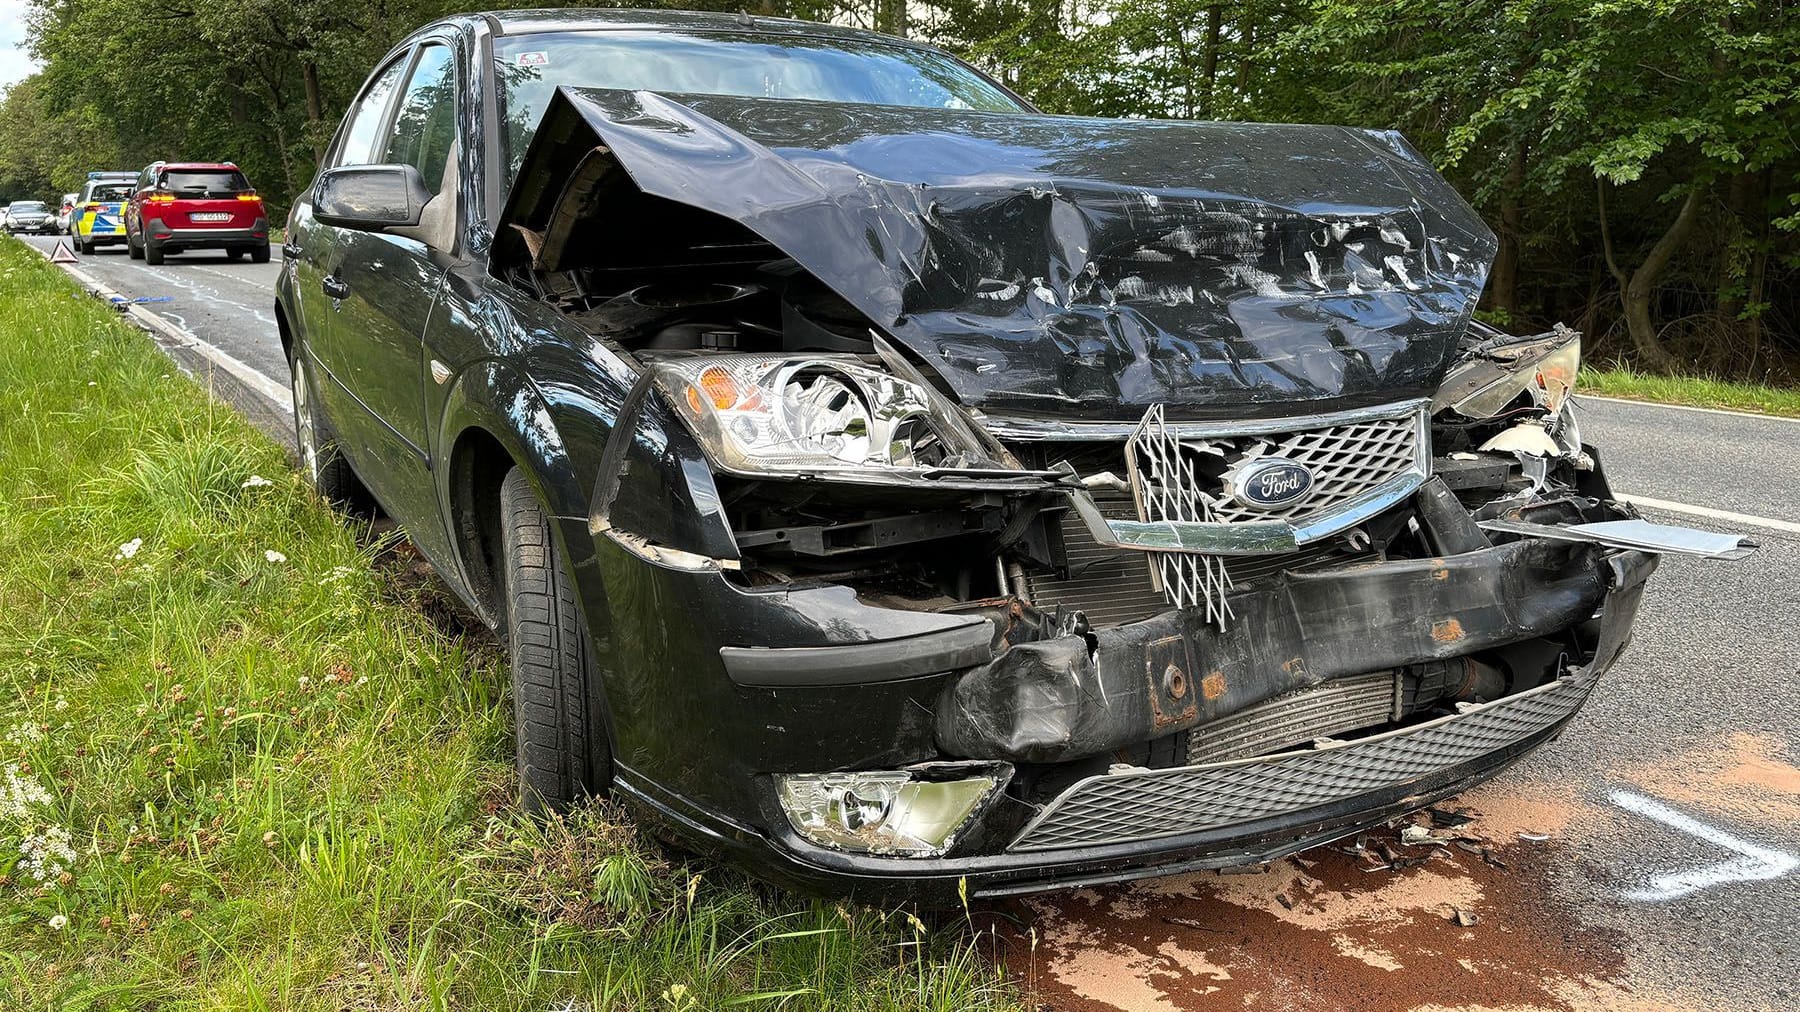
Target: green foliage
1578	127
240	768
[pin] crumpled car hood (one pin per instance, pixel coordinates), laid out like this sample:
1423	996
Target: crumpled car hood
1072	267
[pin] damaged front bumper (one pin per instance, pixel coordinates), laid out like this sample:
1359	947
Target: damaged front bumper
1046	701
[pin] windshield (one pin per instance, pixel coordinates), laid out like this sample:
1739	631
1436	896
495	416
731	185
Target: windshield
28	205
205	182
529	68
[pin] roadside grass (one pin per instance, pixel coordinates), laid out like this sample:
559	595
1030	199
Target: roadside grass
1698	391
240	767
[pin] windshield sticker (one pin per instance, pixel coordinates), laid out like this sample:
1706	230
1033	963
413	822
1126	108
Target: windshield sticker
533	59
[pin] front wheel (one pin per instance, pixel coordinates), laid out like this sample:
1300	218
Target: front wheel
560	751
324	464
136	250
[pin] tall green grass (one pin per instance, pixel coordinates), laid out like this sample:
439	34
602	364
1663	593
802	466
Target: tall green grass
1697	391
240	768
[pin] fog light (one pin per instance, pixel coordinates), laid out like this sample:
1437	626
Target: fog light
884	812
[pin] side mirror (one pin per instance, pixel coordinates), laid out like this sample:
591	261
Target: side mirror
370	198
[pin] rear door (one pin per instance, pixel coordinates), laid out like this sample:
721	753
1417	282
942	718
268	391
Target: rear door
380	289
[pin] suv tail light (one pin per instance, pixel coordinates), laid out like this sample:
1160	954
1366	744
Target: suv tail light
249	196
161	198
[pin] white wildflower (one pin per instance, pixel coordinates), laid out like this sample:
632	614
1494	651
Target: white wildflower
257	481
19	793
337	573
46	854
128	549
58	922
24	733
274	556
61	704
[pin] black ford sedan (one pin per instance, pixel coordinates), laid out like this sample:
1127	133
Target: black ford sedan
898	490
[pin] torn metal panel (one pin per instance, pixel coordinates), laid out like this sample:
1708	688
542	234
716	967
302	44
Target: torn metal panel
1642	535
1077	695
1083	267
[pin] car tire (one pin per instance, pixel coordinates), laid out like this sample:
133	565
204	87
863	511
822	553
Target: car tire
321	461
153	254
136	251
259	254
560	754
84	248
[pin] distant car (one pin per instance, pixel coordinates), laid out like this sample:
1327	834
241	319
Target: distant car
33	216
176	207
99	212
65	213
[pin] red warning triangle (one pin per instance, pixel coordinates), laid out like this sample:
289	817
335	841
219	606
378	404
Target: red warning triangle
63	254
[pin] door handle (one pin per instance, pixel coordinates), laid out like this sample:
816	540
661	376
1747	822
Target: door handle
335	289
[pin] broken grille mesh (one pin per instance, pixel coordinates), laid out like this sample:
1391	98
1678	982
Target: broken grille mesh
1166	482
1147	804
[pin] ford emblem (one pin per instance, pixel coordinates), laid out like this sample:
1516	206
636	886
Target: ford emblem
1272	482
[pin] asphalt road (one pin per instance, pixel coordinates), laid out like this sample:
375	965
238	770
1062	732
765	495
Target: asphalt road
1649	859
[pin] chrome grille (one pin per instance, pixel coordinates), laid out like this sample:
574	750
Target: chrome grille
1141	804
1346	460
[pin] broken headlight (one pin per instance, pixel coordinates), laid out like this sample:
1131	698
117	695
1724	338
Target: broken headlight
764	415
882	812
1492	374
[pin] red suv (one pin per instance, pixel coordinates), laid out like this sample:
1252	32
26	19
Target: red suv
179	206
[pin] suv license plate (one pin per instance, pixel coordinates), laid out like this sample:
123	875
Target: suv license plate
210	216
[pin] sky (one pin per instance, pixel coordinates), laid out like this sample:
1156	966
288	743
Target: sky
14	61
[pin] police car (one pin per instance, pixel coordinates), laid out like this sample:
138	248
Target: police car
99	216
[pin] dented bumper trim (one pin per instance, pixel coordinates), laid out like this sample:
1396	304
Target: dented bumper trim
862	663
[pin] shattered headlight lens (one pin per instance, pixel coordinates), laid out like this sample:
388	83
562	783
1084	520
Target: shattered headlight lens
1485	384
882	812
763	415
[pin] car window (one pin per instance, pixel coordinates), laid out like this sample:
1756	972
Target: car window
366	121
205	182
110	191
425	124
529	68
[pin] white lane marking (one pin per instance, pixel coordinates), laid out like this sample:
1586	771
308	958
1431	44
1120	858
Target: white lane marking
275	392
1690	407
1748	519
204	293
1753	863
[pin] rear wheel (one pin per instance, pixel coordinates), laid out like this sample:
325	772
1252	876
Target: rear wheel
153	254
331	474
560	753
84	247
258	254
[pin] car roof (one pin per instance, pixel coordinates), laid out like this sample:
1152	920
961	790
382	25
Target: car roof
575	19
218	166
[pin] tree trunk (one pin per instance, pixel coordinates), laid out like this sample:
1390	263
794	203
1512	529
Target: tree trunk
1209	59
890	17
1637	288
1504	286
315	109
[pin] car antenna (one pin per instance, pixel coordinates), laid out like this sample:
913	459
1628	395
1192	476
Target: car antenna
744	20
